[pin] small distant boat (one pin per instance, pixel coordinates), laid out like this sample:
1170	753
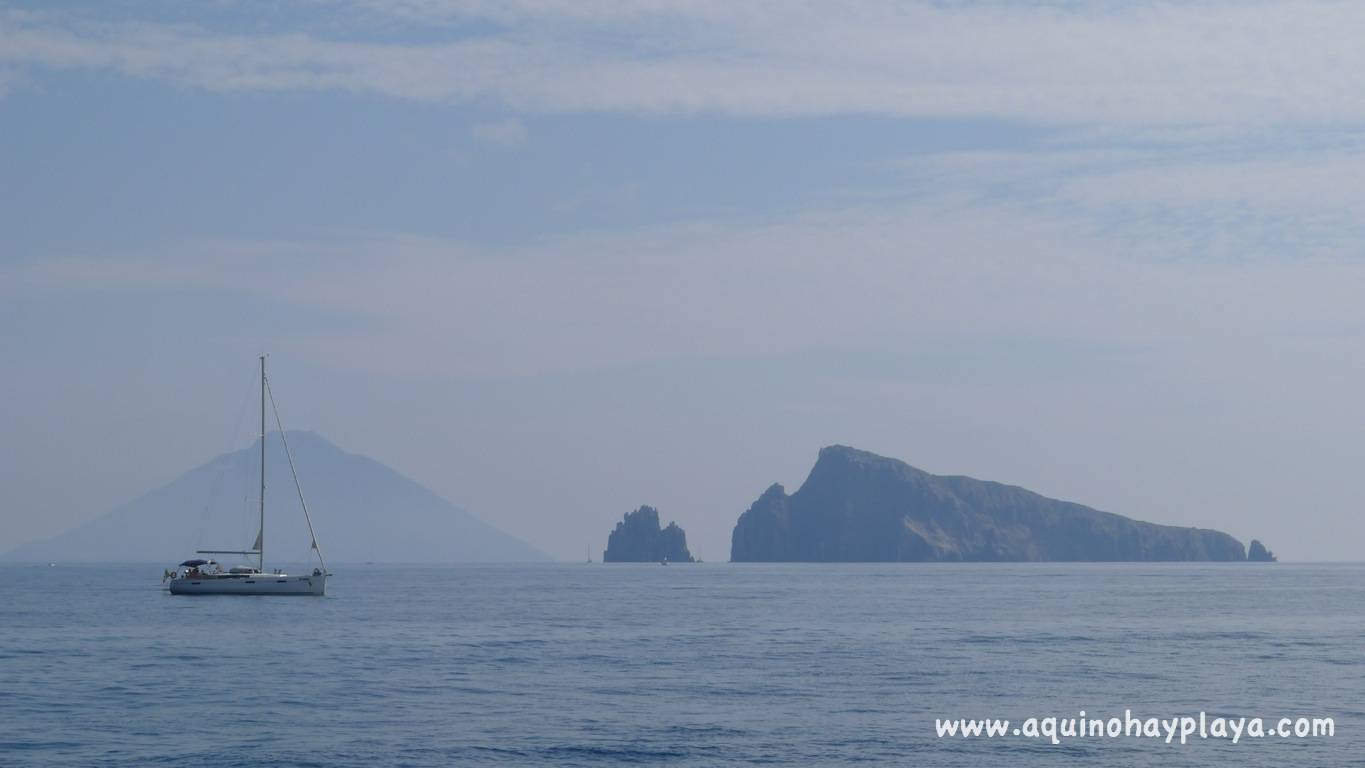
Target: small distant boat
198	576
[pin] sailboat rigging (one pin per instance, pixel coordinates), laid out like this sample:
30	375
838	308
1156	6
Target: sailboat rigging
198	576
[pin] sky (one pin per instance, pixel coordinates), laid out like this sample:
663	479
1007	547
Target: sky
555	260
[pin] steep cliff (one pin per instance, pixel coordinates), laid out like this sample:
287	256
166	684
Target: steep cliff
859	507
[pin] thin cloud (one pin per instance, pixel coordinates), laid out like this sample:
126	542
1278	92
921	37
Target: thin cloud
507	132
1147	64
903	277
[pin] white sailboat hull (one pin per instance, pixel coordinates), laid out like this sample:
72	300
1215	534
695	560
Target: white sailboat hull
254	584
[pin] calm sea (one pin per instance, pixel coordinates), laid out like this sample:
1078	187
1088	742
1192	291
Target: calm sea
597	665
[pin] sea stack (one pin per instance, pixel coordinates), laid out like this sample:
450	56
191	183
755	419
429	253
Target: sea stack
857	506
1257	553
639	539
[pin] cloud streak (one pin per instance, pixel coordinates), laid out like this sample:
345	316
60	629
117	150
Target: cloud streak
1286	195
1235	65
507	132
908	279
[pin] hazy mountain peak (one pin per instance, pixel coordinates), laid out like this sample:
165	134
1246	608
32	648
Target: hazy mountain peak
362	510
842	456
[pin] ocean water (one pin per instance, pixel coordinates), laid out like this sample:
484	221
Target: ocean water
599	665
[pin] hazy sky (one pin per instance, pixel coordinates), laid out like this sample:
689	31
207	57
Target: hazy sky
558	259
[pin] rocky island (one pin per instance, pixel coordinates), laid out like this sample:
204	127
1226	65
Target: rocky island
857	506
639	539
1257	553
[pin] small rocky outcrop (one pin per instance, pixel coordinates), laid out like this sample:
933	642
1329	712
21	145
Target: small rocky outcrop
859	507
1257	553
639	539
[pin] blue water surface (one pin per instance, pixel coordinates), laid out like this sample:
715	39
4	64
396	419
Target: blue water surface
593	665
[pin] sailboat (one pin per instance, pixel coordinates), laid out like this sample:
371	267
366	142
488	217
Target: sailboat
198	576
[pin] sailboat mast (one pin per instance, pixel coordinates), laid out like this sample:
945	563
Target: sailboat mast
260	539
